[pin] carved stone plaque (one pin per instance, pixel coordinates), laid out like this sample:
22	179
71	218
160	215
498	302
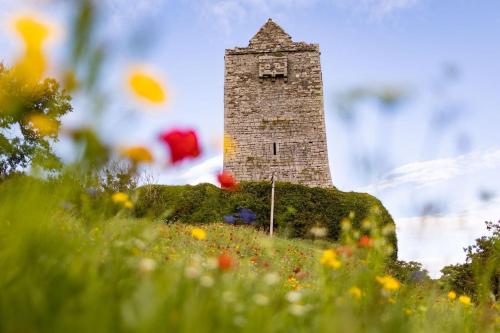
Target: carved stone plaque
273	66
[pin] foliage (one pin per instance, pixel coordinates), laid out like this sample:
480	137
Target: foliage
65	272
480	274
297	208
23	141
408	271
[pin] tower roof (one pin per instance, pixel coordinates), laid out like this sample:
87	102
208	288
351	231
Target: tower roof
270	35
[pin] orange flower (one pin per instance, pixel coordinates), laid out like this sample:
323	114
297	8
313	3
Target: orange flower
226	180
225	262
365	241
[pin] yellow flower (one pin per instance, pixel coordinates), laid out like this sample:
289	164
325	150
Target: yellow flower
128	204
355	292
32	31
198	233
329	258
138	154
120	198
388	282
33	63
465	300
407	311
229	145
43	124
146	87
452	295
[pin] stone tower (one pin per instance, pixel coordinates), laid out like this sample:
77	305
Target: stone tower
273	110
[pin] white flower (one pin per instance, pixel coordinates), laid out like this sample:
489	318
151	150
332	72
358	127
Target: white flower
261	299
192	272
298	310
211	263
147	265
293	296
207	281
271	278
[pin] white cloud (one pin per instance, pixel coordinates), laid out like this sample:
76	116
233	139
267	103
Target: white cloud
435	171
203	172
437	241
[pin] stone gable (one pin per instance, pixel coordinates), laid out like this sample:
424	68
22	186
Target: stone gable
273	110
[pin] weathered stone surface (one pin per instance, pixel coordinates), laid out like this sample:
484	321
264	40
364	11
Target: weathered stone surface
273	110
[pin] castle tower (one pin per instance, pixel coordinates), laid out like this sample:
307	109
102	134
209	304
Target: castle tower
273	110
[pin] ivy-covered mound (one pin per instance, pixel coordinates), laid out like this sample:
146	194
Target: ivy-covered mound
297	208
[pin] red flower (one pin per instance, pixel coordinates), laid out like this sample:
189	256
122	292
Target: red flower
225	262
344	250
365	241
182	144
226	180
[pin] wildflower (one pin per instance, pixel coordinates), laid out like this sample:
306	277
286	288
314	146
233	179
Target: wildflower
344	251
293	296
43	124
128	204
229	145
146	87
261	299
192	272
198	234
298	309
293	283
388	282
147	265
452	295
345	224
182	144
137	154
225	262
355	292
365	241
33	32
120	198
318	231
207	281
329	258
407	311
271	278
226	180
465	300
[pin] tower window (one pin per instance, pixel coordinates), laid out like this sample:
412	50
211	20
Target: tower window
274	148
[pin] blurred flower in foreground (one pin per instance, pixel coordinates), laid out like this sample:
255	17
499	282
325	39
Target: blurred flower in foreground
365	241
137	154
355	292
226	180
198	234
465	300
146	87
33	64
182	144
147	265
43	124
318	231
224	262
388	282
229	145
122	199
452	295
329	258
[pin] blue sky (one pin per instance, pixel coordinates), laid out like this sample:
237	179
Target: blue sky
435	158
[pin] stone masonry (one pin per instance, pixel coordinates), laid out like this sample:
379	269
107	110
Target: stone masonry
273	110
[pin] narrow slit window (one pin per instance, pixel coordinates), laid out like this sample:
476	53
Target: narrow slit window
274	148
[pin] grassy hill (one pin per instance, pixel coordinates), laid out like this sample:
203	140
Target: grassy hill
76	268
298	208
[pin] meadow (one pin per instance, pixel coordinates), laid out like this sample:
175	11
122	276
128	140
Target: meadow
62	272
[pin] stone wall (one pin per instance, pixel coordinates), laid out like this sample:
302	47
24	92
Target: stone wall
273	110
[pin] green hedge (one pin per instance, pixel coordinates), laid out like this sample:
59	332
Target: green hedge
297	207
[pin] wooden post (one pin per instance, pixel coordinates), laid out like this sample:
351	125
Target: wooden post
272	206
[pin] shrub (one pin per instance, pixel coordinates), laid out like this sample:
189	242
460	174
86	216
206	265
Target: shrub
297	208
